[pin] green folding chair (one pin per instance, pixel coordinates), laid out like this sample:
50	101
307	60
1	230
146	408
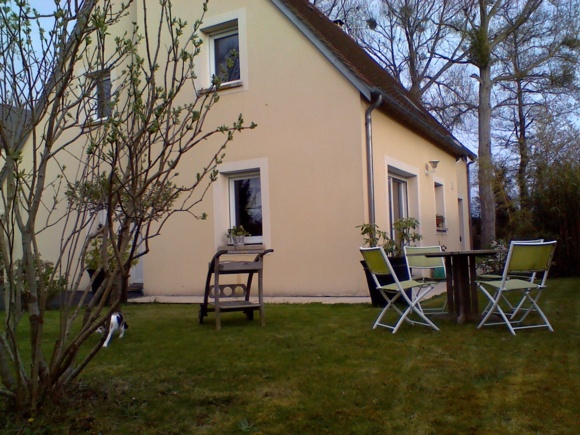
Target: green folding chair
494	277
378	264
533	260
418	262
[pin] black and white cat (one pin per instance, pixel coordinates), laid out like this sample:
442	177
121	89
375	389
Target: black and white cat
117	323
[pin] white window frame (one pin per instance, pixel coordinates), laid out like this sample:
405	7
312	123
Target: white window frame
439	191
229	31
232	178
398	187
217	26
221	198
99	111
410	175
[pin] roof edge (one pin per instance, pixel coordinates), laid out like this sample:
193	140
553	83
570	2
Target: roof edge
400	107
361	86
451	143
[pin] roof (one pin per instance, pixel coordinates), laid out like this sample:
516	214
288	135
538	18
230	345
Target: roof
367	75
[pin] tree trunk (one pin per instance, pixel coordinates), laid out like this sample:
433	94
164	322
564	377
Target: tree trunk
486	177
523	150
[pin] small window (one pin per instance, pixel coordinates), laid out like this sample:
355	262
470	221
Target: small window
440	206
225	52
100	100
246	204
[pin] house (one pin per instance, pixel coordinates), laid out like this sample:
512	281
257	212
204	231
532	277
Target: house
338	141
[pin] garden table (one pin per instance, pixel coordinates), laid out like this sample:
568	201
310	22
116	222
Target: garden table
461	282
230	260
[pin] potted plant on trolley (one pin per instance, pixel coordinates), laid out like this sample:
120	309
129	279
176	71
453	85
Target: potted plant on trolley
237	235
405	235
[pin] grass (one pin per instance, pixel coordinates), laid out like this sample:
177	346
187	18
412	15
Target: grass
322	369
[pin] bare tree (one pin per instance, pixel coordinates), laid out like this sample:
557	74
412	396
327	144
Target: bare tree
431	48
95	120
537	65
411	39
488	27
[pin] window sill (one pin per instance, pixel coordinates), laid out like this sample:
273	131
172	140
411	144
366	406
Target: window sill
222	87
95	122
441	230
247	246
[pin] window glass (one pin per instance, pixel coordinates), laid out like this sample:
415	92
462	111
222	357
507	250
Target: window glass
439	205
246	204
100	100
227	56
398	201
104	95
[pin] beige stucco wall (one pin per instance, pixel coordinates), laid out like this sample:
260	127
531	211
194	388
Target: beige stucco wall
400	149
309	136
310	148
310	139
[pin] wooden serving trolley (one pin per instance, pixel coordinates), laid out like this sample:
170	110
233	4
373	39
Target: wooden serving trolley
234	297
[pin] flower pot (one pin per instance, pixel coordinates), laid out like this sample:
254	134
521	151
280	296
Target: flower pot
238	240
400	267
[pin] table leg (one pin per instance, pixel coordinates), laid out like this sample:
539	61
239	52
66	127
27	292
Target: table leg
216	290
449	279
261	297
474	306
462	287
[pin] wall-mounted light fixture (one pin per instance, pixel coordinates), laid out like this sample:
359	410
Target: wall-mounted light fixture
431	166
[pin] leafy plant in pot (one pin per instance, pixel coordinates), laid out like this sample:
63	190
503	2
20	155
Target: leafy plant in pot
237	235
405	234
440	221
94	261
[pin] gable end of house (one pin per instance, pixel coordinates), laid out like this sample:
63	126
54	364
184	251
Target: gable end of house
368	77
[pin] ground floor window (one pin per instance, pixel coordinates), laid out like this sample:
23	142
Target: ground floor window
398	199
245	193
440	206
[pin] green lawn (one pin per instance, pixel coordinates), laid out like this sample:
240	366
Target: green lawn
322	369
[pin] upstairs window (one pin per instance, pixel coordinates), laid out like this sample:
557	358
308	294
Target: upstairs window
225	55
100	99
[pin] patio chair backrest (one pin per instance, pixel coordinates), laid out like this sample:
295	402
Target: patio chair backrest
529	257
417	261
376	260
529	241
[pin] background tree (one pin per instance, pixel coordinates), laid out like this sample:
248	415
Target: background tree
411	39
521	55
555	191
73	149
538	64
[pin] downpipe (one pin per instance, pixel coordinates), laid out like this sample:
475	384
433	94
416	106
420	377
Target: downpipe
370	166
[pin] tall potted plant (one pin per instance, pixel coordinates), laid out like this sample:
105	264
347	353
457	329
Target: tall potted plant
405	234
